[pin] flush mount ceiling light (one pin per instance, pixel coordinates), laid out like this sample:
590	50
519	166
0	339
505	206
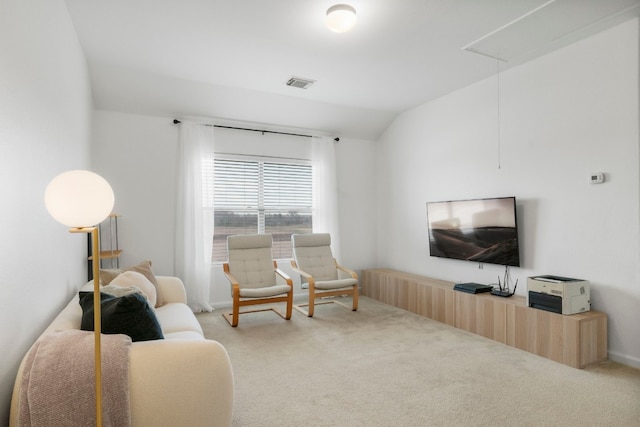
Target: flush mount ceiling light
341	18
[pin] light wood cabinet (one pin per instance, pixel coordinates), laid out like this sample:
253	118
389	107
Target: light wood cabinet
431	298
575	340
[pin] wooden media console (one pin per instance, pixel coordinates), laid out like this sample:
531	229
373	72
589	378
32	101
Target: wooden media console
575	340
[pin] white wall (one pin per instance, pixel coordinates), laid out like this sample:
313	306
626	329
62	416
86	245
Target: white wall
137	155
45	107
562	117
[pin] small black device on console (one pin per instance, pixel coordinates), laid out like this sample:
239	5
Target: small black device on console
472	288
499	293
503	291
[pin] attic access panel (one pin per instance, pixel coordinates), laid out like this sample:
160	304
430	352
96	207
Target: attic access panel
551	22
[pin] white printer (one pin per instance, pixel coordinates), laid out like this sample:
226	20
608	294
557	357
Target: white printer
558	294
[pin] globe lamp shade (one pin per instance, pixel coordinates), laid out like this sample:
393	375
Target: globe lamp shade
79	198
341	18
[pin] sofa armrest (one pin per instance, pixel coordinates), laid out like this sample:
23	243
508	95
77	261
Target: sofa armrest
172	289
180	382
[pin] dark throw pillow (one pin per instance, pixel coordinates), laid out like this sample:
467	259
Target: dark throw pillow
129	315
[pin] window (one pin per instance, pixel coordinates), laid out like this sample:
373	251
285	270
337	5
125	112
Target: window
262	196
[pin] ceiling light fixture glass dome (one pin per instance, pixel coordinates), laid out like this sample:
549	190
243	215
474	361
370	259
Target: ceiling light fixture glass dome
341	18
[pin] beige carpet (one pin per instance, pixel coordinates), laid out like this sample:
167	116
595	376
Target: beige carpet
382	366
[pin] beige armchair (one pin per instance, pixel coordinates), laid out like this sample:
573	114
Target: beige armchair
320	273
254	276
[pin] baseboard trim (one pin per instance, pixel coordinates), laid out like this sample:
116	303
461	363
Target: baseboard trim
624	359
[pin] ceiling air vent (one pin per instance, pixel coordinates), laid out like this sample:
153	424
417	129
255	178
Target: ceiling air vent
299	82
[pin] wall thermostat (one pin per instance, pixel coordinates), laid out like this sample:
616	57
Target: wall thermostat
596	178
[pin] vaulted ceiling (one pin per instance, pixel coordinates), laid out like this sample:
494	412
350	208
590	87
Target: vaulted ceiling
231	59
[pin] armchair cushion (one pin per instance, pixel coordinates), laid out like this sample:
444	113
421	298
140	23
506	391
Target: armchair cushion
250	260
313	256
249	241
253	270
269	291
335	284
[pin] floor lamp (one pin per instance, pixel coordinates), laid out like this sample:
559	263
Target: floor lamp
81	200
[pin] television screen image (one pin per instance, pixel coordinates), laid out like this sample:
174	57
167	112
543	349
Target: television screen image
480	230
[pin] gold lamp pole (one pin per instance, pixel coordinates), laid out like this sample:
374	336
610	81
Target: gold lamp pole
81	199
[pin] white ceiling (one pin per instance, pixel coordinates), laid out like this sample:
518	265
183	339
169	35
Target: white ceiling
230	59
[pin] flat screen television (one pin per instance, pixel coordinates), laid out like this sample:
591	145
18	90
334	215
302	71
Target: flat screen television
479	230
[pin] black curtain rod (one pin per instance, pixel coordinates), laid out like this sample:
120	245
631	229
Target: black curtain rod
176	122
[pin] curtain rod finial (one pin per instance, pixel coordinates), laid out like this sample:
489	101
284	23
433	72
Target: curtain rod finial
176	121
336	139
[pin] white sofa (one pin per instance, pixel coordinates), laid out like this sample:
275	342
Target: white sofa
183	379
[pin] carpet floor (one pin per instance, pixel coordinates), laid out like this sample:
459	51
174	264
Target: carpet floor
383	366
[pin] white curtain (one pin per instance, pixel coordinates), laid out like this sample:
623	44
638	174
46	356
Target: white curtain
194	215
325	190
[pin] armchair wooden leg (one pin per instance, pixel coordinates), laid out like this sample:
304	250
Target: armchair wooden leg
327	294
355	297
230	318
233	317
311	306
289	305
236	314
